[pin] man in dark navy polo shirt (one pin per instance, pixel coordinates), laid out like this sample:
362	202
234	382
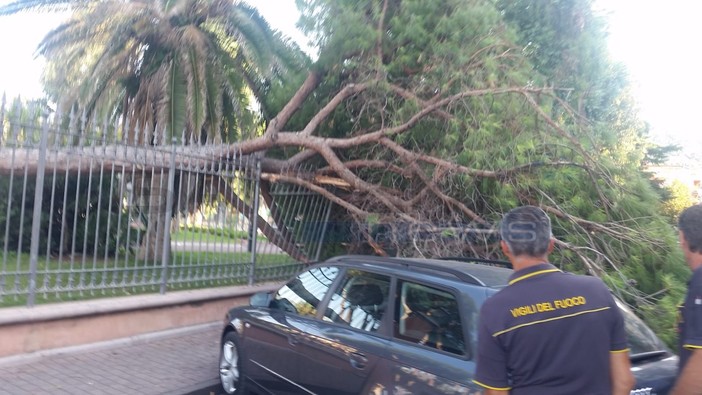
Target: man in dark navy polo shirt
549	332
690	323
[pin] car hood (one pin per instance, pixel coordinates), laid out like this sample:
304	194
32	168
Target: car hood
658	374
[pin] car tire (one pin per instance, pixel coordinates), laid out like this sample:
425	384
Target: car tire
231	376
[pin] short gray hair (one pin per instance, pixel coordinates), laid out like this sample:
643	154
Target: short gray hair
690	224
527	231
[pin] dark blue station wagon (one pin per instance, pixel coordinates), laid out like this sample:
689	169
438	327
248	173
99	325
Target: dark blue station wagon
384	326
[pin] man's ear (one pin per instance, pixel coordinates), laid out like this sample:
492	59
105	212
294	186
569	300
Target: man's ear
551	244
682	240
505	249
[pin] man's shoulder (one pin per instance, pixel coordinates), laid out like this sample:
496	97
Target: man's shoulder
584	280
696	279
588	286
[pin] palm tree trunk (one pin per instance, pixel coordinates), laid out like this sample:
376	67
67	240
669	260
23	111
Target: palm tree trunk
157	234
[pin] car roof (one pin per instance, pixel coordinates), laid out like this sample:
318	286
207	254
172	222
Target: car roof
471	270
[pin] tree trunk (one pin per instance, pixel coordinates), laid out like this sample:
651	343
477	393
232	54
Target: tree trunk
273	236
154	195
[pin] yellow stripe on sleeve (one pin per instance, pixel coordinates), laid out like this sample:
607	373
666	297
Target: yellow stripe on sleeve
619	351
492	388
691	347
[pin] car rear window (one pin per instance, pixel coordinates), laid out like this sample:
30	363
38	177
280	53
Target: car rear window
430	317
360	300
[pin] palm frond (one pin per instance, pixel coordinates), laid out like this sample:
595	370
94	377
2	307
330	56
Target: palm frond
195	58
189	68
234	80
142	110
43	5
252	33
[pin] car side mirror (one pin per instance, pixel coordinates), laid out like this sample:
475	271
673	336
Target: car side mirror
261	299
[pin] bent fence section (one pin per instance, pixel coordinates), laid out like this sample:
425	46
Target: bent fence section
86	215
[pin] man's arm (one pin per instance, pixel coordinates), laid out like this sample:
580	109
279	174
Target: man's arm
690	380
491	369
620	372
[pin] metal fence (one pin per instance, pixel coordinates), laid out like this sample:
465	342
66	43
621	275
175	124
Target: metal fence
86	215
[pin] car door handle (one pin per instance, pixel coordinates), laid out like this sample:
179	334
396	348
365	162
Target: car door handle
358	361
293	340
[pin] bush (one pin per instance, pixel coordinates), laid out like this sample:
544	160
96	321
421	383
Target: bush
76	207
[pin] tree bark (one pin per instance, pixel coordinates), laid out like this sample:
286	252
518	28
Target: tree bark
273	236
157	235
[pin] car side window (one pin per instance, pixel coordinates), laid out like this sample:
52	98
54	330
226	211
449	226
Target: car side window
360	301
428	316
303	294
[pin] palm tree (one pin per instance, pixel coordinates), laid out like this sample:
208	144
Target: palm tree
196	71
188	68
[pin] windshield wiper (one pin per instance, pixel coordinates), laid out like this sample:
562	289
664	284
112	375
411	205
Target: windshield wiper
648	355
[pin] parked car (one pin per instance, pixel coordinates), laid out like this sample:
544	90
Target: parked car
371	325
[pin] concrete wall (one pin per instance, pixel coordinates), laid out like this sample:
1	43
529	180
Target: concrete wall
28	330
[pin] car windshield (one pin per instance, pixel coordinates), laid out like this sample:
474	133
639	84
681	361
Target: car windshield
641	338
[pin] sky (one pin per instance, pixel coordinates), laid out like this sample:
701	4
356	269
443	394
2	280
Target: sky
656	40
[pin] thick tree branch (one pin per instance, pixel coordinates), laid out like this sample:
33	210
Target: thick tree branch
369	164
315	188
272	165
272	234
280	120
360	185
321	115
410	159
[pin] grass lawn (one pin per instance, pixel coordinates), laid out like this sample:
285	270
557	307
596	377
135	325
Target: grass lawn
92	277
210	235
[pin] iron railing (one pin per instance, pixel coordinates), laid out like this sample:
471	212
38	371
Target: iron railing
86	214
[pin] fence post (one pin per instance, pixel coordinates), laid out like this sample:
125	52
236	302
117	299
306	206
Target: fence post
254	220
165	258
36	216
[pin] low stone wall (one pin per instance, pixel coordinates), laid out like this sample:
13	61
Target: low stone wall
28	330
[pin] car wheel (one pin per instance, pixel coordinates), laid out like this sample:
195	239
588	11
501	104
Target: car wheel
230	374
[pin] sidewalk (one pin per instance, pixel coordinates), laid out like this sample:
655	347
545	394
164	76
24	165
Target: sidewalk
173	362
